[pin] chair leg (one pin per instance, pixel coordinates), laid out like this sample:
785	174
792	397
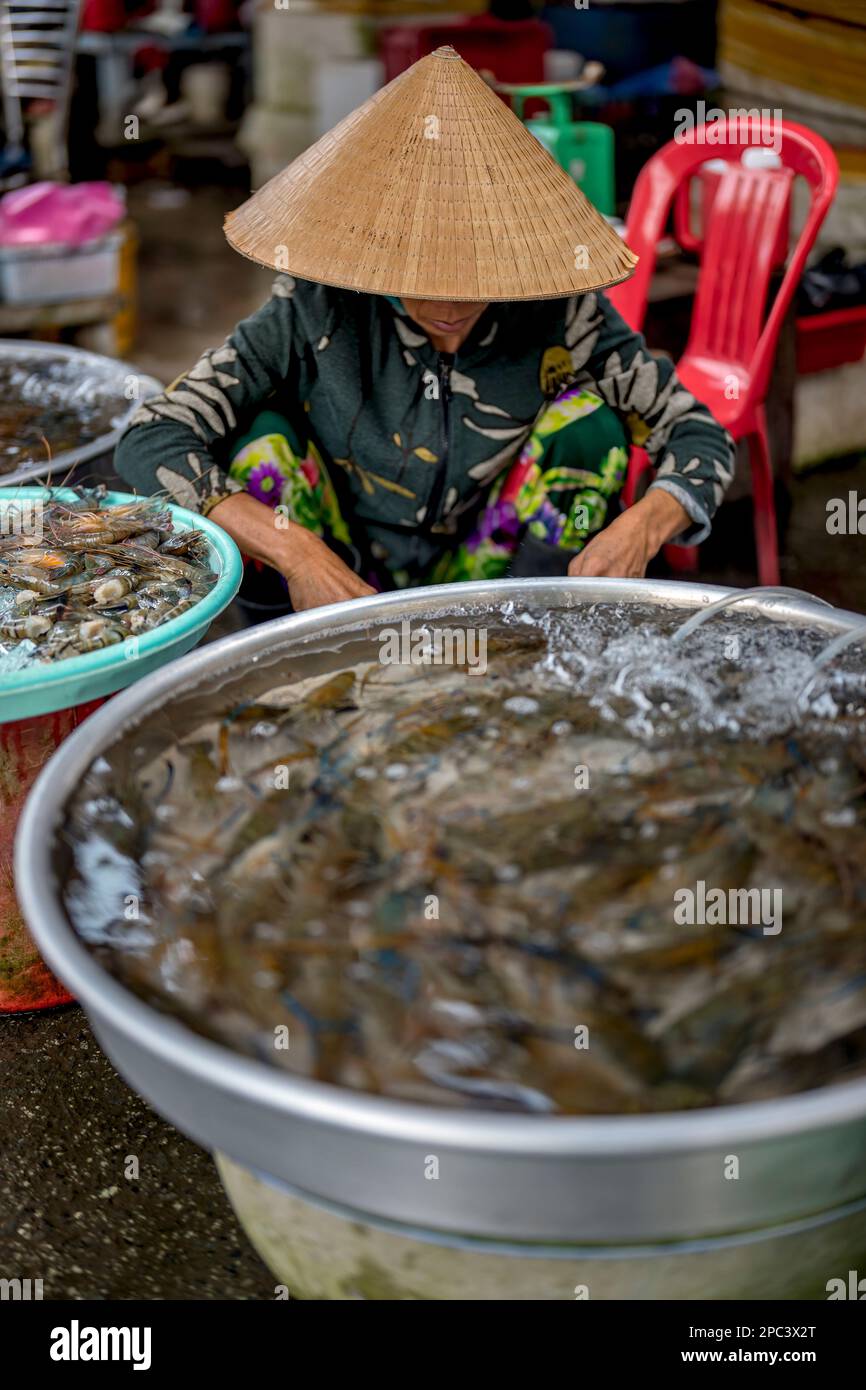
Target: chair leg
681	559
766	534
638	464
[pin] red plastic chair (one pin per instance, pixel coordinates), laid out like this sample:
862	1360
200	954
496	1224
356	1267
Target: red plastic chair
729	356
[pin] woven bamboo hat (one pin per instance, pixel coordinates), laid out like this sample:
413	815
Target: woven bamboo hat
432	189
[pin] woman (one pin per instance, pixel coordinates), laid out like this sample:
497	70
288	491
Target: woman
436	389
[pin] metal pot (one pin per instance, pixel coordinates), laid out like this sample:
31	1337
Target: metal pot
88	372
652	1185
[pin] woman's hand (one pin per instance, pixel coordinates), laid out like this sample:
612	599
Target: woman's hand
625	547
317	576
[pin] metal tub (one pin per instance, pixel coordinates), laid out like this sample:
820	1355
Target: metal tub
89	374
333	1183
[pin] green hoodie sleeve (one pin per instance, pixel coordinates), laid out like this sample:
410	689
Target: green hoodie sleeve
182	441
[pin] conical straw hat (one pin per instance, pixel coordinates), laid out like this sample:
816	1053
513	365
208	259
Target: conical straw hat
432	189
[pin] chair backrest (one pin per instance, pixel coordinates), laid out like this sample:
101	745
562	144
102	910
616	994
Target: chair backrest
737	250
750	208
37	47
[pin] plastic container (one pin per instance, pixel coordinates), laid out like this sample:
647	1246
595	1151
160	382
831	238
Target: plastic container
58	274
25	746
60	215
830	340
629	38
41	705
62	684
513	51
217	16
103	16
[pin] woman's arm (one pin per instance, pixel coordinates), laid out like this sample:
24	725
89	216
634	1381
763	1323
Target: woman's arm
693	455
181	442
315	574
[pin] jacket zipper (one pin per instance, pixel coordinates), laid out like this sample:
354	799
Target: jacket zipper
432	514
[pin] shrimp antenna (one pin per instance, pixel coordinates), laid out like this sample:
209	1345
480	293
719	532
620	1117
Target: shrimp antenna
65	480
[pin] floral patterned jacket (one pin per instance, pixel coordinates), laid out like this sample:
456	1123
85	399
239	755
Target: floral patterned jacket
413	440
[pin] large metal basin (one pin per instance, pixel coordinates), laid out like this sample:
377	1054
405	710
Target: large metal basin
89	375
627	1184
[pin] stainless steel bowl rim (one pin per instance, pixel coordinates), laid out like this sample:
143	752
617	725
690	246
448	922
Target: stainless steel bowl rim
296	1096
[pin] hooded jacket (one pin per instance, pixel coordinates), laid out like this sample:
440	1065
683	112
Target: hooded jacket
413	439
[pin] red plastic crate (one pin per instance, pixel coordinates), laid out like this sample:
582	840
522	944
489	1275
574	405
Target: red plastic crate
103	16
25	746
513	52
830	340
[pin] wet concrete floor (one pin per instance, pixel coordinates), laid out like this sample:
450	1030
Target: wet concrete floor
99	1197
69	1126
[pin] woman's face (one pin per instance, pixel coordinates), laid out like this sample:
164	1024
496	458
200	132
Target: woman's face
446	325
